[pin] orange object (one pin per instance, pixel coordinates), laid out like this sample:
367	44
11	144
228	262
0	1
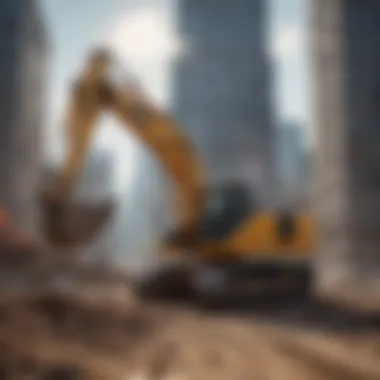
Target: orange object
4	220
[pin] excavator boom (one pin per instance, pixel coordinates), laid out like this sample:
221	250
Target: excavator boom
93	93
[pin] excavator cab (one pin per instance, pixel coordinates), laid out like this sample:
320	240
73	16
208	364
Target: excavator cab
286	226
227	206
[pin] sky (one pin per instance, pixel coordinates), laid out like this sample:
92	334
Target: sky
289	50
141	33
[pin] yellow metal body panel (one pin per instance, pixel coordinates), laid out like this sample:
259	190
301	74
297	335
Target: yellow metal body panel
258	237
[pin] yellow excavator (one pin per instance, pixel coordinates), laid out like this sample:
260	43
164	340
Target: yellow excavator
219	228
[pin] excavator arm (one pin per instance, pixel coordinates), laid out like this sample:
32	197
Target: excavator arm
173	150
94	92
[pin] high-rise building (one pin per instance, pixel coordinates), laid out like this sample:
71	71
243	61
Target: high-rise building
98	177
145	215
23	61
293	160
346	36
222	89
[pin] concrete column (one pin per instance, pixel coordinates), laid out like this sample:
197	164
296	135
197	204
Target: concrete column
346	47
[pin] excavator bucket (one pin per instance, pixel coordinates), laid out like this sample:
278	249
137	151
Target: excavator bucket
72	223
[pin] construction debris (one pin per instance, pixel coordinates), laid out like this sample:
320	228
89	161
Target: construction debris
62	319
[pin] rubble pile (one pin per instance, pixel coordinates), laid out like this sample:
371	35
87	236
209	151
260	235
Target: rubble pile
60	318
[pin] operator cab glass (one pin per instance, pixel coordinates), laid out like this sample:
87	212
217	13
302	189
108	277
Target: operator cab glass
227	206
286	226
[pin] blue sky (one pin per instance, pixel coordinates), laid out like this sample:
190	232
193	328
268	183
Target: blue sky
289	45
77	25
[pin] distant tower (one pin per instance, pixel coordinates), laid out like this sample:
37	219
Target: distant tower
145	216
98	175
22	87
222	90
96	184
346	51
292	163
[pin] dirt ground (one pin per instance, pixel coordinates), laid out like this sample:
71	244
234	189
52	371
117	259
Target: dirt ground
71	322
82	335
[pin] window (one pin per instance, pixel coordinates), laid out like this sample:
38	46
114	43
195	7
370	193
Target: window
286	227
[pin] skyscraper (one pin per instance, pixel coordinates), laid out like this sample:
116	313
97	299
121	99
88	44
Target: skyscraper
292	163
22	77
145	215
222	89
97	180
346	49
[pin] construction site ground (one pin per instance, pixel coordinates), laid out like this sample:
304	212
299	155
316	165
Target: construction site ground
64	320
